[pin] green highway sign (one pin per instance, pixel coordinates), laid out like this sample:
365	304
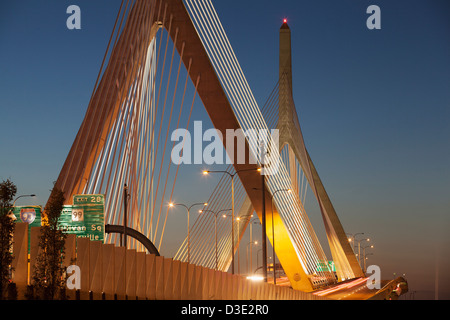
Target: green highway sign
29	214
85	218
326	266
89	199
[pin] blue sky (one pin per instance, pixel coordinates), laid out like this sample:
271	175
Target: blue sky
374	106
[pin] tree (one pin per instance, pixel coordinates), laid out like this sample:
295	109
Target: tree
48	277
7	192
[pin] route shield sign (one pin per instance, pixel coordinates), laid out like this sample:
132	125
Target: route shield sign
85	218
29	214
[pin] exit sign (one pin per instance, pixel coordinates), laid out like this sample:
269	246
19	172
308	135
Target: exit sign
89	199
85	218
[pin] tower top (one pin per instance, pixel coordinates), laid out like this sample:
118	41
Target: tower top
284	25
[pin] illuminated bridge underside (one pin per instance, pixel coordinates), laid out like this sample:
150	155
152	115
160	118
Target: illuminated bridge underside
296	245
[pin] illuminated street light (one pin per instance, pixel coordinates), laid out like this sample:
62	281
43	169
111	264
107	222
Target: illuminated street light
25	195
238	219
352	238
359	248
255	278
11	214
364	255
216	214
253	221
171	205
231	175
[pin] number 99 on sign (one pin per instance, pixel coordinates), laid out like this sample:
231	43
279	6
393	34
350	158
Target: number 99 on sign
77	215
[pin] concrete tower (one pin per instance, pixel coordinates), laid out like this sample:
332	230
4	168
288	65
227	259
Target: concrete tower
344	258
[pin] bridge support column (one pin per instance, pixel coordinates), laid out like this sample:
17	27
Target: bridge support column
290	134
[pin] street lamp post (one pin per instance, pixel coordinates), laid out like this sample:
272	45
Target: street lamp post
232	232
257	259
125	212
216	214
25	195
11	214
359	249
255	220
263	227
251	244
188	228
352	238
231	175
238	219
364	256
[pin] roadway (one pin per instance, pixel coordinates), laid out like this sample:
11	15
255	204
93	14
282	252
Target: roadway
355	289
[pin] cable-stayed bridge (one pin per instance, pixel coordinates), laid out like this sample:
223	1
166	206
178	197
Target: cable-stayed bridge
165	60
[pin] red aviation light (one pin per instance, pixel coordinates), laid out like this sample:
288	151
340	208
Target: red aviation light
284	20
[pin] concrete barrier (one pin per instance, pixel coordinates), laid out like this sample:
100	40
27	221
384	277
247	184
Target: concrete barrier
109	272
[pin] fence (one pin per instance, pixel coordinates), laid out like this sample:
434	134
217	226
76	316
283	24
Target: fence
109	272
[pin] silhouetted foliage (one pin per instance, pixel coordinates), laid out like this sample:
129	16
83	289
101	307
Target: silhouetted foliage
7	192
48	276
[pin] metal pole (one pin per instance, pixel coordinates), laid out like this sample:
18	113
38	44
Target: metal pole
238	219
359	252
354	245
189	237
125	205
251	240
264	241
232	214
273	247
215	231
25	195
188	209
364	269
232	224
10	213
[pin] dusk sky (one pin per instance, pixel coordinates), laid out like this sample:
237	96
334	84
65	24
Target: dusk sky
374	106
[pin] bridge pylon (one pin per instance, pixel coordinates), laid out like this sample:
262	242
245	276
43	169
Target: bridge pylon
290	134
119	138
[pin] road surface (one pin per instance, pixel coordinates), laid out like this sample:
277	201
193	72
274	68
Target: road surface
356	289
